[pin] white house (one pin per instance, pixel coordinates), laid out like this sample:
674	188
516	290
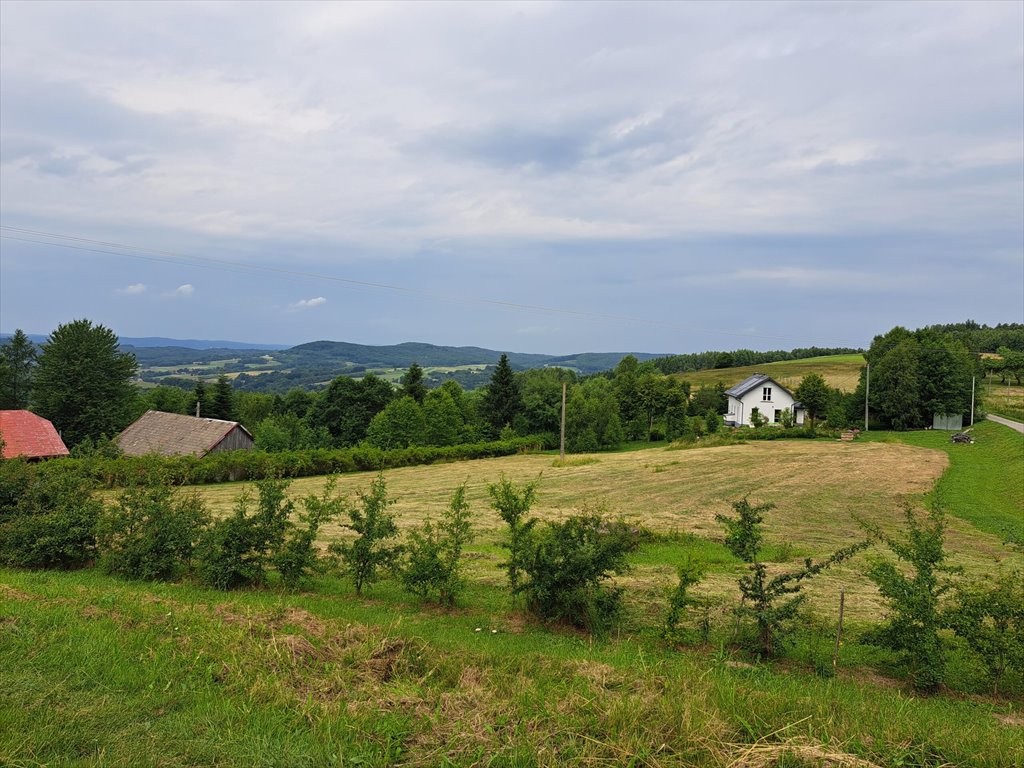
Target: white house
766	395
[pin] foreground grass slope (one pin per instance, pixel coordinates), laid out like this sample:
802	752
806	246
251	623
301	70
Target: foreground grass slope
95	671
99	672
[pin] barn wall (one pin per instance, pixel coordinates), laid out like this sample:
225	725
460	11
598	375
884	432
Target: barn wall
235	440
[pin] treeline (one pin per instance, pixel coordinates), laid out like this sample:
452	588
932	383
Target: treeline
699	361
633	402
984	338
916	375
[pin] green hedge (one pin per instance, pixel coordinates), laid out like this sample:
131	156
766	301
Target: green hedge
258	465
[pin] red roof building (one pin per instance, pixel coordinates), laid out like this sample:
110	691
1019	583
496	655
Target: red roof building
25	434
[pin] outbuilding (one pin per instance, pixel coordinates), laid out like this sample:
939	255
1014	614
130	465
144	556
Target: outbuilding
173	434
25	434
763	393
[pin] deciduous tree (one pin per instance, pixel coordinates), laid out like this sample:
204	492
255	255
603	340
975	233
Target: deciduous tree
83	383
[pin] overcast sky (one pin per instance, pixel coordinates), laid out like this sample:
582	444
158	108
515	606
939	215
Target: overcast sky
677	176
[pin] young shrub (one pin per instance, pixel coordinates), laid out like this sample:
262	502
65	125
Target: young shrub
989	616
48	519
513	505
712	421
374	527
757	419
680	601
568	563
434	553
234	551
913	600
297	557
765	599
787	419
149	534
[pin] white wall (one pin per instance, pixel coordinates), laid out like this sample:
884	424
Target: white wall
739	409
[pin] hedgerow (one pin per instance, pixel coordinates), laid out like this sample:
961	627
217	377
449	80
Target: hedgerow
259	465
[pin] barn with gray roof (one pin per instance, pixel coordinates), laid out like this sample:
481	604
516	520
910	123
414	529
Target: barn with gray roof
172	434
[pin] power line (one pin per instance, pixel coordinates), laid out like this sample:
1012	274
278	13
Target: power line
170	257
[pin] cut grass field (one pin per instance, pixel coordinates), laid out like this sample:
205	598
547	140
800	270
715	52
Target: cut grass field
820	488
842	371
1004	400
96	671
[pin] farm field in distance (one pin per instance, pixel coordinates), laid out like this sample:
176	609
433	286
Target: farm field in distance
840	371
119	673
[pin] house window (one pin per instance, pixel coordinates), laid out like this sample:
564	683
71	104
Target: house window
778	416
766	394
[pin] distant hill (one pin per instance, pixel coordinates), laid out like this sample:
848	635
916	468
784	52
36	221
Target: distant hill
429	355
161	341
342	356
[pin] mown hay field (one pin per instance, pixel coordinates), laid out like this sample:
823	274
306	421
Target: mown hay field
842	371
820	489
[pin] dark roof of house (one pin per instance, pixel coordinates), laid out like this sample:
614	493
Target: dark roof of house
751	382
171	434
25	434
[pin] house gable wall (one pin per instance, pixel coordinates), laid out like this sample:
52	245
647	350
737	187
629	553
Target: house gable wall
739	409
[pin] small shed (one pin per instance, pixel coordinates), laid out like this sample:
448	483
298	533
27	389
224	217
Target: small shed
26	434
950	421
173	434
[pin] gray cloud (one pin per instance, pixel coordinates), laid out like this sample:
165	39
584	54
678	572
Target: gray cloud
493	147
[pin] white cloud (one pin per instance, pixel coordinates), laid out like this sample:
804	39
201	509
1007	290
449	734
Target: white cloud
309	303
133	290
184	290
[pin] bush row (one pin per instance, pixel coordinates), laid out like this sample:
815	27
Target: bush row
259	465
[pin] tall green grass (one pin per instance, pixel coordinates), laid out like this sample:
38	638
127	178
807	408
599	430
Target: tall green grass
985	480
95	672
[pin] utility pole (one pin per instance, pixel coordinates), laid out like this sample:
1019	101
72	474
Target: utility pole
561	445
972	399
867	391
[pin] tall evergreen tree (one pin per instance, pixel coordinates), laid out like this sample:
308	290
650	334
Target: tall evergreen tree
222	404
17	363
198	398
502	400
412	383
83	383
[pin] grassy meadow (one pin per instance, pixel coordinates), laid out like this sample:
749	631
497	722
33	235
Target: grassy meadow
841	371
96	671
1003	399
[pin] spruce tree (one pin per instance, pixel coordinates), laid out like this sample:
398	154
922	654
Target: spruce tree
221	404
17	361
502	400
412	383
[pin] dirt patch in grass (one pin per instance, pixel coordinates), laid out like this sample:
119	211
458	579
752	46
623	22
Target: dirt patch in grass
770	755
14	594
1011	721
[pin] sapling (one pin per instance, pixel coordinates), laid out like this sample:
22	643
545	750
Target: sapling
913	600
370	551
771	602
513	505
435	552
